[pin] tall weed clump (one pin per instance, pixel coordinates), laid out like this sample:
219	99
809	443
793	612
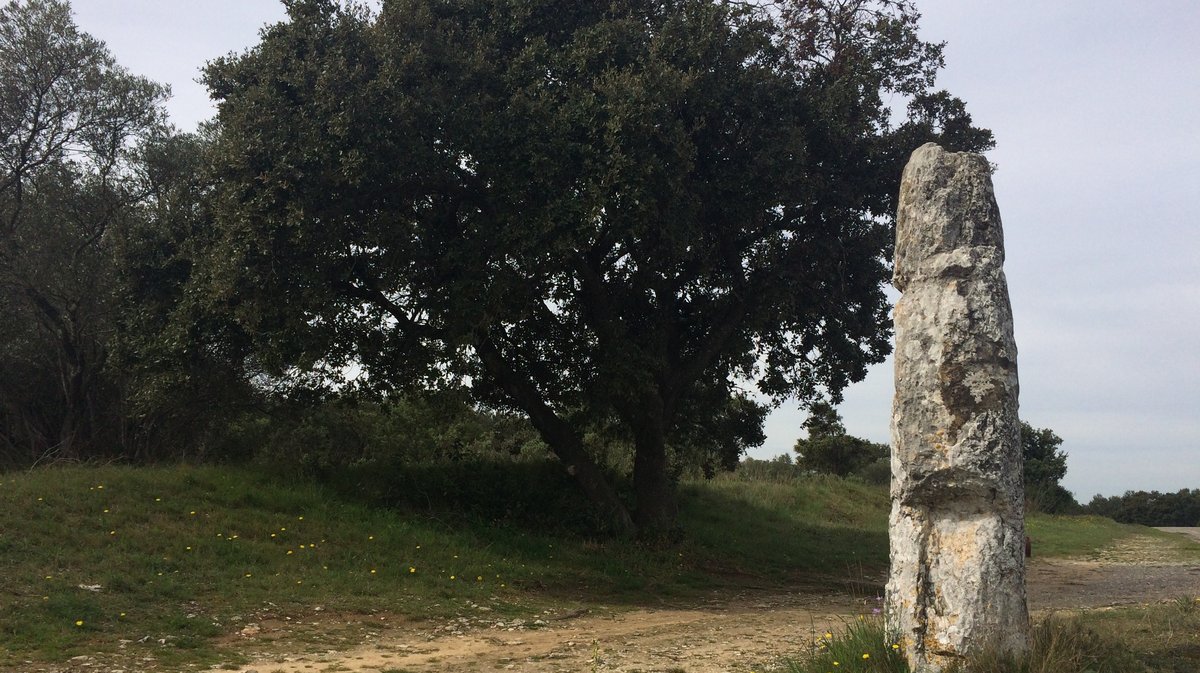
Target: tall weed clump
1142	639
1059	645
862	647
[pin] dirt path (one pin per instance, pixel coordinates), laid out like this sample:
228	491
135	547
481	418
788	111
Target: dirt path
738	635
1193	533
1134	571
743	633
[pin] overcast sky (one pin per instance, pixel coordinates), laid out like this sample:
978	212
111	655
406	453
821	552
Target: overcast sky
1096	109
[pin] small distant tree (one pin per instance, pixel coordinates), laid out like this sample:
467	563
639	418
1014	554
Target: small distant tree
828	449
1045	466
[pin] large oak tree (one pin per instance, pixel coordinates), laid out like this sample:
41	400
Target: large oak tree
612	213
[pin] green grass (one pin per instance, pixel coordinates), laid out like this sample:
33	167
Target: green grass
816	528
1077	535
178	557
1164	637
182	554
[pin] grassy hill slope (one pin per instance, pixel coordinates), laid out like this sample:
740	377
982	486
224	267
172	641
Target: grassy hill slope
164	561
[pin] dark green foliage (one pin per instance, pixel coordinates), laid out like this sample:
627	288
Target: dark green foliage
1045	462
185	378
1045	466
425	453
843	455
779	468
532	494
829	450
1150	508
319	437
603	214
73	124
713	436
102	354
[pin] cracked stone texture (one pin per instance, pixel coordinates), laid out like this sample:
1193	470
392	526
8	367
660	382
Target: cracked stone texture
957	526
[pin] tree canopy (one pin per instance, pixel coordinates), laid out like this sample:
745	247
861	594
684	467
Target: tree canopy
621	214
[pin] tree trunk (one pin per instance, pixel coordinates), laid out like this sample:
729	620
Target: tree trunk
563	440
657	509
566	444
75	381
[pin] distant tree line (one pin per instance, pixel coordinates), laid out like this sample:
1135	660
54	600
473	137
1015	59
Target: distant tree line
1152	508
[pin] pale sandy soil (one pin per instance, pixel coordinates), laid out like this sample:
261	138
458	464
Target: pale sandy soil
742	634
734	634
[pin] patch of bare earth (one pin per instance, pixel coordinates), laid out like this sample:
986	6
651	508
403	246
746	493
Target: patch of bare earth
742	633
1138	569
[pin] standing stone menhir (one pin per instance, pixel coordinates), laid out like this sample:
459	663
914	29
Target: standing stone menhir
957	525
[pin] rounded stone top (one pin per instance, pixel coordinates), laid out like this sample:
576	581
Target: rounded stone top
947	212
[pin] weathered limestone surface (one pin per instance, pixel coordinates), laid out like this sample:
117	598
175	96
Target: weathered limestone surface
957	523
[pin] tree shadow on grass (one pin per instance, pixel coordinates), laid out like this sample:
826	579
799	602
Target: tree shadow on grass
533	514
